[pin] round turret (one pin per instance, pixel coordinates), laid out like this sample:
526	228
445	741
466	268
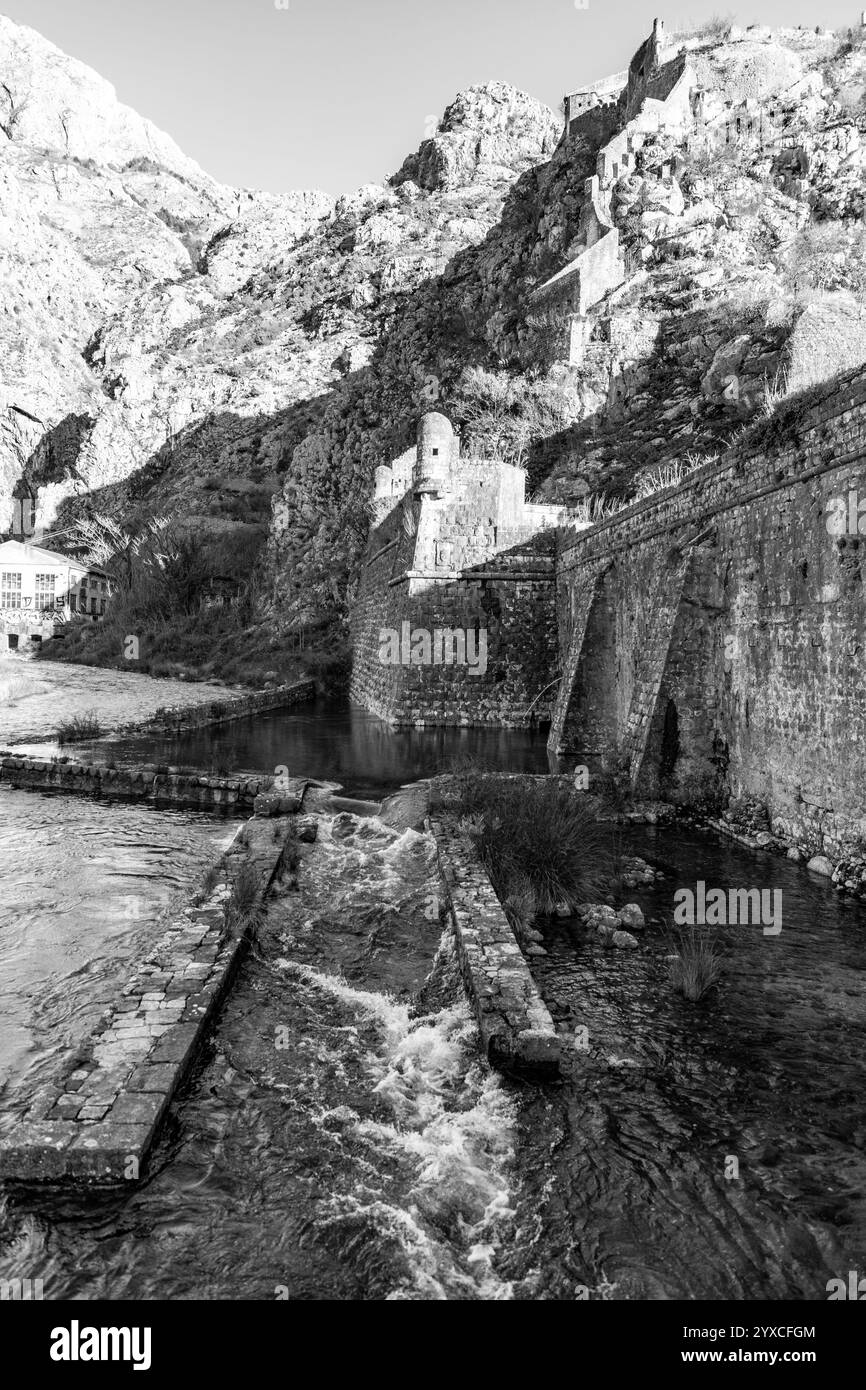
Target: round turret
436	441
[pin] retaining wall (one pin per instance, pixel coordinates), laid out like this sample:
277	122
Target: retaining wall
177	719
714	635
516	1028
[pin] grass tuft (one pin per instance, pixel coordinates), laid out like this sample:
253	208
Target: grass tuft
208	884
78	729
697	966
243	909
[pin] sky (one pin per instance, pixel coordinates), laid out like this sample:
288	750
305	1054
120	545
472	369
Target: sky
282	94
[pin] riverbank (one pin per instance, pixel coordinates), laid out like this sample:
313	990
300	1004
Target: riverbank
37	698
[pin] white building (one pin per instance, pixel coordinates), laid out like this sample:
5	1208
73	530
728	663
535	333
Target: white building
40	588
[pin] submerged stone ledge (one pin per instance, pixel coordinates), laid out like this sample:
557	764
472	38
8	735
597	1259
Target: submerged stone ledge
517	1031
145	782
97	1121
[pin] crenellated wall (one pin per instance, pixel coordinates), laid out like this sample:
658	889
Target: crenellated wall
714	635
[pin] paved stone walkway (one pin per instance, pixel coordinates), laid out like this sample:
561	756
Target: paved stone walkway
98	1120
36	695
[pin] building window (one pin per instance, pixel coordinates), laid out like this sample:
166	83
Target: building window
13	641
44	591
10	590
93	606
73	603
102	607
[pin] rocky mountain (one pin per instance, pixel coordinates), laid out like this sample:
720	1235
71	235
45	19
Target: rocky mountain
161	325
243	361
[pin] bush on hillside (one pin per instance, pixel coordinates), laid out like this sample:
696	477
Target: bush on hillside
502	414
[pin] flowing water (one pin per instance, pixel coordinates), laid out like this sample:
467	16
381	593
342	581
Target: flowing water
82	885
340	1137
338	1140
625	1175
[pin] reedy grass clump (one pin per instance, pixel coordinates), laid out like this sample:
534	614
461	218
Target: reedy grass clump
243	909
540	843
79	728
696	968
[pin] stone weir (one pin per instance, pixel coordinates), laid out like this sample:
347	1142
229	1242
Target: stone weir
161	786
517	1031
98	1120
713	635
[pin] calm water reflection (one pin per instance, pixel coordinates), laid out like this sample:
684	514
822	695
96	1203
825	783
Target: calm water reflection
336	741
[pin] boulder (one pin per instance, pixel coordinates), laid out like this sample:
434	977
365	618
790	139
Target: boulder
632	916
598	914
624	941
820	864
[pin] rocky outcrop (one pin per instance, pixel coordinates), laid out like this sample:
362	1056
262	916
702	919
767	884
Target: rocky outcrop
487	133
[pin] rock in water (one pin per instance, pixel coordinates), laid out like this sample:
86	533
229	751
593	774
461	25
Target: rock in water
632	916
820	864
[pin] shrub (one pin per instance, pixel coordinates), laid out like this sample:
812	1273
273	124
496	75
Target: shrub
502	415
536	834
826	256
713	30
78	728
697	966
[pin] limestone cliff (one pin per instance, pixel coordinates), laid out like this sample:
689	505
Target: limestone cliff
168	341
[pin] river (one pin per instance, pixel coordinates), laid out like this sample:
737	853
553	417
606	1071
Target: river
340	1137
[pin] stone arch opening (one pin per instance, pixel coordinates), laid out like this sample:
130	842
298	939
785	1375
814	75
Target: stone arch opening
670	746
